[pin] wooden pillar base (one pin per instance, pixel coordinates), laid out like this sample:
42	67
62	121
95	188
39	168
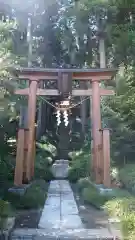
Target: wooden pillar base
18	177
97	156
92	162
97	173
33	159
26	132
106	158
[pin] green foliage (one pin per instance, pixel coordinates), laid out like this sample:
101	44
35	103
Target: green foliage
91	194
33	198
80	166
124	209
5	209
43	167
5	212
127	176
118	204
83	183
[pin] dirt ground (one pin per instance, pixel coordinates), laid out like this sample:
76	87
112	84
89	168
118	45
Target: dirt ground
28	219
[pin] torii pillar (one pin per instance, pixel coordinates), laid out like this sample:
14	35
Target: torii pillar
26	139
96	135
31	126
100	145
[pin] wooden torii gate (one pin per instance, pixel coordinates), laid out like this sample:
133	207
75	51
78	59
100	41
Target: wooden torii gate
26	137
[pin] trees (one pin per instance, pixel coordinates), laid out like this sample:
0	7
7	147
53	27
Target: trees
64	34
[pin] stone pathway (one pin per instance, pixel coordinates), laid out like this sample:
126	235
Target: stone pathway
60	210
60	219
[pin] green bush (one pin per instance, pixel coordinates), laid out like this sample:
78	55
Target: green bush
120	193
128	225
45	174
74	174
127	176
33	198
93	196
5	212
115	206
5	209
120	203
124	209
79	167
42	168
83	183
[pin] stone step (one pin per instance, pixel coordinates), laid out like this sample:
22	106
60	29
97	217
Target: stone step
70	234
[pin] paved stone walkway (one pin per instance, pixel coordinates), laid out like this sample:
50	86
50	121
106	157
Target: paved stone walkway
60	219
60	210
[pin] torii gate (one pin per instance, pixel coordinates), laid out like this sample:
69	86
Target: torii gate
101	138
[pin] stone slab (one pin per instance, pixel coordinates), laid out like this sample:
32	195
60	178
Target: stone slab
50	217
71	222
54	187
60	218
68	206
70	234
60	209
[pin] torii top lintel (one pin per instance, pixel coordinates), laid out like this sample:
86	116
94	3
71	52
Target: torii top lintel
53	73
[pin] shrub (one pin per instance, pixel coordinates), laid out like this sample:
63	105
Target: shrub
120	193
124	209
83	183
127	176
117	206
33	198
128	225
45	174
42	168
5	208
74	174
5	212
80	167
93	196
